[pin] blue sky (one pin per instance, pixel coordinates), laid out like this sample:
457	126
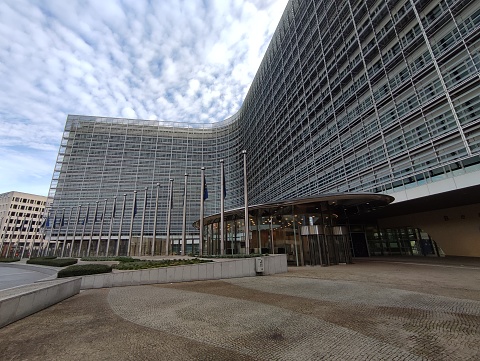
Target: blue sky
172	60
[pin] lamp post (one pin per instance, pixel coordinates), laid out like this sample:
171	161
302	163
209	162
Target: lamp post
222	207
169	217
202	199
154	237
247	231
184	219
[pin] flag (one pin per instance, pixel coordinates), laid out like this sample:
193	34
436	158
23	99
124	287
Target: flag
85	220
96	214
46	223
134	206
62	224
54	220
114	208
205	189
171	199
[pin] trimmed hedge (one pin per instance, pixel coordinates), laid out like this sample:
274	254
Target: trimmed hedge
252	255
119	259
84	269
124	266
8	260
56	262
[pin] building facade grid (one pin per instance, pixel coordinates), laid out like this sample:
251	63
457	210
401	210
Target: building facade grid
351	96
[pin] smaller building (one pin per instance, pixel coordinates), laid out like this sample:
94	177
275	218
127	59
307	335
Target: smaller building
20	223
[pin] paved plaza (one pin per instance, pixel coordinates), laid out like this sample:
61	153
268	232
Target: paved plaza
372	310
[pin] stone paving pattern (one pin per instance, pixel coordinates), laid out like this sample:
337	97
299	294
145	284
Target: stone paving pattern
366	311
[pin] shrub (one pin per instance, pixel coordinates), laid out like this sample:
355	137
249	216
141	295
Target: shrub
84	269
119	259
8	260
56	262
157	264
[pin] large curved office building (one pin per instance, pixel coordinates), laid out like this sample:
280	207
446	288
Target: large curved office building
354	102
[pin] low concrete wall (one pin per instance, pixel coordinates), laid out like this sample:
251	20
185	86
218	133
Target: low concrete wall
276	263
226	268
22	301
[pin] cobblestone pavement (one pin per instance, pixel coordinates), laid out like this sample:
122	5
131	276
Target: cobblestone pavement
365	311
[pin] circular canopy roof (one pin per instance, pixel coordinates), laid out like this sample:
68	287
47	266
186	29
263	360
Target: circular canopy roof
348	203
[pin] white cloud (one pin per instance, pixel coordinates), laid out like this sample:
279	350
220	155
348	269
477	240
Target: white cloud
167	60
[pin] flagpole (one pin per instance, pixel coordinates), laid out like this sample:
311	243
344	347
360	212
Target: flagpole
101	228
169	216
85	221
4	233
202	195
184	219
66	231
44	233
58	233
131	222
247	231
91	229
51	231
28	231
12	231
143	222
32	244
19	235
222	207
75	230
155	222
121	224
114	209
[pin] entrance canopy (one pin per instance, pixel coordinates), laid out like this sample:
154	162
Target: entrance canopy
311	230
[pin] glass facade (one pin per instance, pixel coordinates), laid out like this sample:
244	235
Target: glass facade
351	96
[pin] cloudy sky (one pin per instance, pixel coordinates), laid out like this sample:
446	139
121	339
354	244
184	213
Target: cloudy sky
175	60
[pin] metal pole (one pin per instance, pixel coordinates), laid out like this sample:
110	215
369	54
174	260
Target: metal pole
92	228
155	217
47	248
131	222
85	220
58	233
271	236
202	192
4	233
120	226
114	208
222	207
75	231
28	231
184	219
66	231
143	222
100	232
19	235
247	231
169	217
12	231
44	235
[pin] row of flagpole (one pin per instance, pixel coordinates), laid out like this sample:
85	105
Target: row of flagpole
203	197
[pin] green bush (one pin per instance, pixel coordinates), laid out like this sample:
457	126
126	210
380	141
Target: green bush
119	259
45	257
137	265
8	260
84	269
56	262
